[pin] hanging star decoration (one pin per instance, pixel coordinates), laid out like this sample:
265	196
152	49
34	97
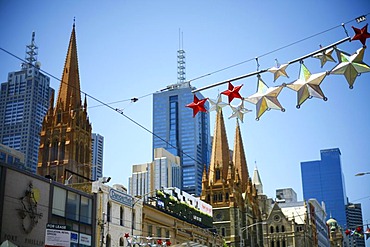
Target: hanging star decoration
127	235
361	34
367	232
197	105
325	56
279	70
265	98
216	104
239	111
307	85
351	66
232	92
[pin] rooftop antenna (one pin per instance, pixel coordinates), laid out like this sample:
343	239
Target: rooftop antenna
31	53
181	75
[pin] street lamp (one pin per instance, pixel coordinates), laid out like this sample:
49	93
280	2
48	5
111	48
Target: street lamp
254	224
362	174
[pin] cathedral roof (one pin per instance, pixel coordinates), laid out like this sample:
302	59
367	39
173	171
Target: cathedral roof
239	159
69	91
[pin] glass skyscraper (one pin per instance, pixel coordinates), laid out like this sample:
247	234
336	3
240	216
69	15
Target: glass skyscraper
178	132
323	180
24	101
97	147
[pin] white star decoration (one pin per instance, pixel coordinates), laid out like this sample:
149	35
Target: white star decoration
239	111
351	66
278	71
308	85
217	104
325	56
265	98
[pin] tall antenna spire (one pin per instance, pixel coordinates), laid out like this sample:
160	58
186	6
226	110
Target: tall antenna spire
181	75
31	53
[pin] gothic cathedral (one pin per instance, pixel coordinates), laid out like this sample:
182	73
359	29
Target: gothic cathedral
65	142
229	189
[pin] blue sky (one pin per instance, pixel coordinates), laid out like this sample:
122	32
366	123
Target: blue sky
128	49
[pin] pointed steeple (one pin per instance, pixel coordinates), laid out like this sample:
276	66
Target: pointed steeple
220	157
69	91
256	180
239	159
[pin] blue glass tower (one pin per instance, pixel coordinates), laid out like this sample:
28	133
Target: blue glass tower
24	101
183	135
323	179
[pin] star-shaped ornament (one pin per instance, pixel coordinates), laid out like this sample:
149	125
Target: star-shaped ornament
232	92
307	85
361	34
325	56
351	66
127	235
265	98
197	105
239	111
216	104
279	70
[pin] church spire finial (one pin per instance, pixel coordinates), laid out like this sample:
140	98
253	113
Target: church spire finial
74	22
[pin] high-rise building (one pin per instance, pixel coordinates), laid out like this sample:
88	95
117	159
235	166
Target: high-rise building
286	195
178	132
65	143
97	147
164	171
354	220
227	187
24	100
323	180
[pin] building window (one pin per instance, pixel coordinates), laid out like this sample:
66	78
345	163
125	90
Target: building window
59	201
223	231
150	230
283	243
109	208
271	229
277	228
73	206
108	241
278	243
272	243
121	216
208	198
214	198
86	210
282	229
134	218
227	196
159	232
121	242
220	197
218	174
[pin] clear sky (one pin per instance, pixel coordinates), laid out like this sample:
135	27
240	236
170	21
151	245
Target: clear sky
128	49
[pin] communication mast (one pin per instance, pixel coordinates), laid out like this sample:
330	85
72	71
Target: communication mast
181	74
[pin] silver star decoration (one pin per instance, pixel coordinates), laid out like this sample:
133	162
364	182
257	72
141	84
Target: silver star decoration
216	105
351	66
325	56
307	85
265	98
279	70
239	111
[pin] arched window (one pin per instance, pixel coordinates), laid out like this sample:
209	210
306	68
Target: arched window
278	243
62	150
283	243
54	150
214	198
108	241
121	242
282	229
271	229
45	158
272	243
59	117
227	196
77	152
121	216
208	198
220	197
109	209
82	153
223	231
218	174
277	228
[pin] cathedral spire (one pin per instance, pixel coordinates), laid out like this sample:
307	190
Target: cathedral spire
239	159
220	150
69	90
256	181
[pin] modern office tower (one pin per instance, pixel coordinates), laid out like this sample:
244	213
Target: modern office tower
97	147
323	179
178	132
10	156
354	220
286	195
65	142
163	172
24	100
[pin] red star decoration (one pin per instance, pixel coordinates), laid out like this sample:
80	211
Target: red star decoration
359	229
159	241
232	92
347	232
197	105
127	235
168	242
361	34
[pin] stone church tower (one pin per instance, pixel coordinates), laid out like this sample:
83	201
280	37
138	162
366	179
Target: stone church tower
229	189
65	142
